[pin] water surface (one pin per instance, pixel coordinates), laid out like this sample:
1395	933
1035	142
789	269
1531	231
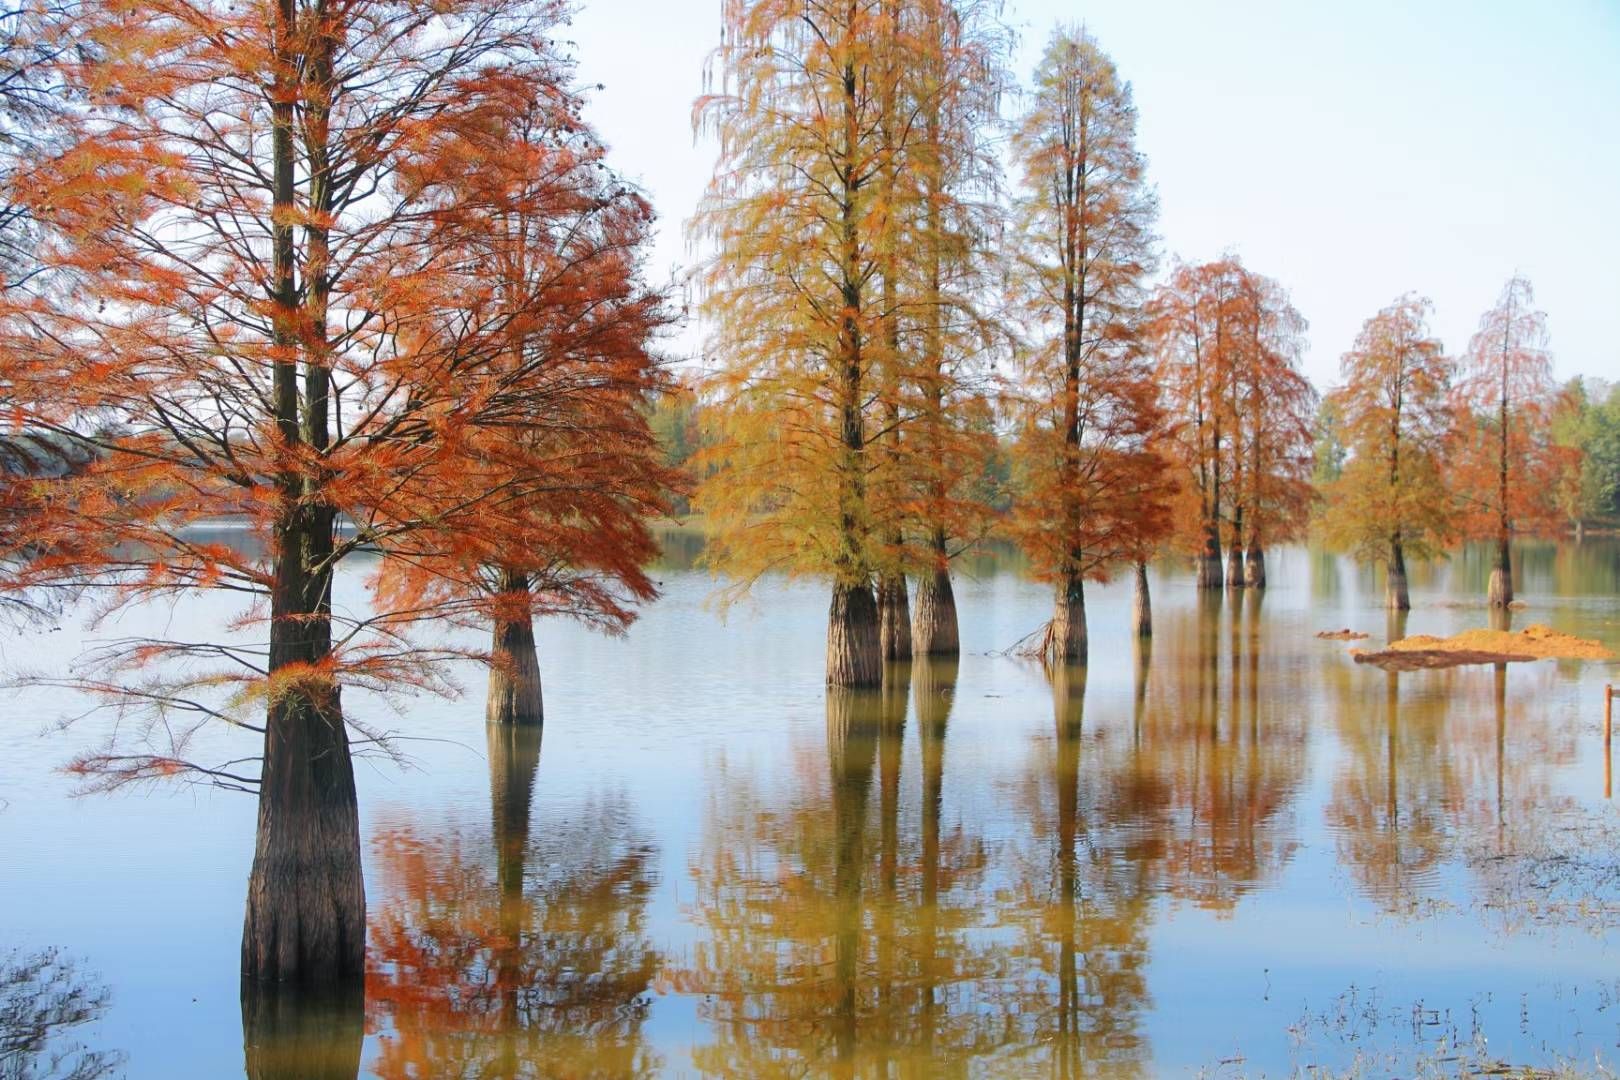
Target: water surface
1234	851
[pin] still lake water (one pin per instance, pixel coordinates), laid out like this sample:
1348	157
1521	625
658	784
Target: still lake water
1240	854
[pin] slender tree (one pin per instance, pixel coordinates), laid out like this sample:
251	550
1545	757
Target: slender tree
953	217
1391	500
1088	398
276	314
1275	406
551	242
1506	394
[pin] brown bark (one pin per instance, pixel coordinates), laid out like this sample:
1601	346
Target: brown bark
1209	559
306	905
298	1033
1068	637
1501	586
1254	568
933	619
514	673
854	652
894	617
1234	556
1396	597
1142	604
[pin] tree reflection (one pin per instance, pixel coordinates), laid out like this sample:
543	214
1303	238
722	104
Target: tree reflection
527	957
1396	795
1081	898
838	940
43	998
1225	767
291	1032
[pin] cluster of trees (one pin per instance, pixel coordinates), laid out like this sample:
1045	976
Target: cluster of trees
884	312
360	277
1430	449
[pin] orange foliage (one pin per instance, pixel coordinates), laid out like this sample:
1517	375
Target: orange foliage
1506	465
360	280
1094	492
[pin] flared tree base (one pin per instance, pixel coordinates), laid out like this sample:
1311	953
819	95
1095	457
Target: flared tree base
1066	642
306	902
514	676
854	648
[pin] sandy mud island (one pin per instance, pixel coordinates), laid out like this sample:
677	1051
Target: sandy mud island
1534	642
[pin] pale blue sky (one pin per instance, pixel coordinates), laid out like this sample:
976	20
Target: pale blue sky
1352	151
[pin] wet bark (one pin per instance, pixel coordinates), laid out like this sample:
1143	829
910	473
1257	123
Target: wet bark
1396	597
1068	637
514	673
1142	604
894	617
854	654
298	1033
933	618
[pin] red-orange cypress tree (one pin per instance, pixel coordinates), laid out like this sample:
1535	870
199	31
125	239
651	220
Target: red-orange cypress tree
282	308
1506	473
1092	495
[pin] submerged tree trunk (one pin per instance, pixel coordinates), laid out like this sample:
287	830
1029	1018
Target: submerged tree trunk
1209	559
854	654
1395	594
1142	604
1254	570
894	617
306	905
514	672
1067	643
1501	587
933	620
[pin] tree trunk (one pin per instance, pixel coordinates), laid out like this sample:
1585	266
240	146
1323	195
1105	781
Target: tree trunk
1209	559
1142	604
1395	594
933	620
514	671
854	648
1501	587
1254	569
306	903
1234	558
1068	638
296	1033
894	617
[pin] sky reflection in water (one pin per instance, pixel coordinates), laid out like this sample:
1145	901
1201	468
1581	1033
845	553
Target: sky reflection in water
1231	844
